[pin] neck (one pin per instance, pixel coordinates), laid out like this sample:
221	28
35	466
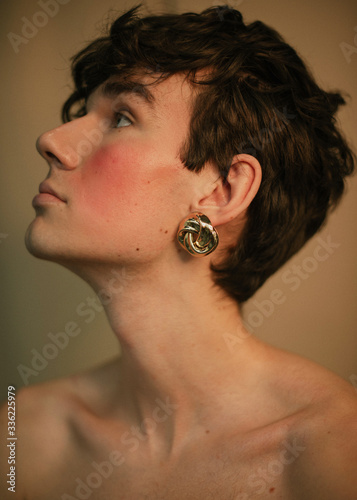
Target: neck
173	328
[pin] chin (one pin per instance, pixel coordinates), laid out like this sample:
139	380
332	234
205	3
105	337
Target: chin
48	245
36	249
40	245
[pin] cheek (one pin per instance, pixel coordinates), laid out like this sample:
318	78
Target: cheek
109	180
114	183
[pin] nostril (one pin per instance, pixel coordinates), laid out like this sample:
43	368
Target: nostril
51	157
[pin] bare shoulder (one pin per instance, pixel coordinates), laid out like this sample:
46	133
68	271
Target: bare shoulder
326	422
46	418
39	434
292	374
47	412
42	419
329	467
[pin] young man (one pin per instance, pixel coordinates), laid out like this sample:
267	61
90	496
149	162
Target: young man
175	103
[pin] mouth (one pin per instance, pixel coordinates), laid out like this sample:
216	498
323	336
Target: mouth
47	195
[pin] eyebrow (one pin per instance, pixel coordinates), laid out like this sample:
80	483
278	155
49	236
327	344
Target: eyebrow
115	88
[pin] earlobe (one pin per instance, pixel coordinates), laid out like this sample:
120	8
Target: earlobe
231	197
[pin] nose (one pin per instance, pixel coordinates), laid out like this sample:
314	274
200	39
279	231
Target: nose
58	146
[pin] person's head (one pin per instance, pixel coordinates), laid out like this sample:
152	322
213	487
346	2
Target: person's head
248	97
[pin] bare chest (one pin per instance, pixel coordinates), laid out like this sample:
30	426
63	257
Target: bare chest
223	471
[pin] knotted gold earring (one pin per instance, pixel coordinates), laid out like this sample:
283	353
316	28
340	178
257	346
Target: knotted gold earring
197	235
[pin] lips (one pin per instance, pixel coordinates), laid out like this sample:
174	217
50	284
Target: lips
47	195
45	188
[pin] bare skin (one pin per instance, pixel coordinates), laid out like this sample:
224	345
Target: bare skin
180	414
265	441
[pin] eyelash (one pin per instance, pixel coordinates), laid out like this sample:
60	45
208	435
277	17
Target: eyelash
118	116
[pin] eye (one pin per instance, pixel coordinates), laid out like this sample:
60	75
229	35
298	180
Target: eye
122	120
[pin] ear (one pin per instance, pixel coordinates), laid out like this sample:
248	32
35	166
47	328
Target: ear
229	199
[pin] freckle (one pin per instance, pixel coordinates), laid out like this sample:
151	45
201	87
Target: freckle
207	431
137	249
160	230
166	231
148	182
271	490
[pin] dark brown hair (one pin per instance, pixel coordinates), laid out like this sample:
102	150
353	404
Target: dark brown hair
258	97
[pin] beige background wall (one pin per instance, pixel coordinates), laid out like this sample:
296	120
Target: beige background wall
317	314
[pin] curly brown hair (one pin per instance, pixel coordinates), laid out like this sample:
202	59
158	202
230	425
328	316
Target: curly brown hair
258	97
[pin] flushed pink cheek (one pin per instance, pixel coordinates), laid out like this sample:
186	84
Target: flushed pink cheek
113	180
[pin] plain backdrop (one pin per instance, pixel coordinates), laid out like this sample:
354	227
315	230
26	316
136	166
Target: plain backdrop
315	315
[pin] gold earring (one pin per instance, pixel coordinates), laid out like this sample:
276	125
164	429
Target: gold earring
197	235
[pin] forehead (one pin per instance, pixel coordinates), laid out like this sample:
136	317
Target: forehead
152	94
